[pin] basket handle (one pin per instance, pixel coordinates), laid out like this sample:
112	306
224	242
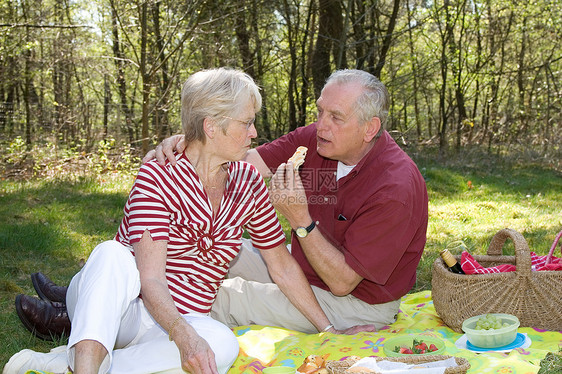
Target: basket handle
551	252
522	253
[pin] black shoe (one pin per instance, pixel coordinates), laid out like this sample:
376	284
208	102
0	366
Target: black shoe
47	289
48	321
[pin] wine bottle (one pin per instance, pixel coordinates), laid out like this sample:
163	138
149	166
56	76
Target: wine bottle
451	262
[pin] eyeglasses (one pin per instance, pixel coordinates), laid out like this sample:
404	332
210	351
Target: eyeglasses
247	123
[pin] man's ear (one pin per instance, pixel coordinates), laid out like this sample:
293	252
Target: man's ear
372	128
210	127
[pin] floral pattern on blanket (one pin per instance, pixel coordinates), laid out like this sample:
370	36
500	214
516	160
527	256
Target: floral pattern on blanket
263	346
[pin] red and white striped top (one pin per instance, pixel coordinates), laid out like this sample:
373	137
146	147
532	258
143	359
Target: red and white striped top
171	203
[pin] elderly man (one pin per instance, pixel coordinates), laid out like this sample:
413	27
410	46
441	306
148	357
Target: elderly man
358	208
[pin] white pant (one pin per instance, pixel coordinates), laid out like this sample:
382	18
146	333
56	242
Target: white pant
104	306
249	296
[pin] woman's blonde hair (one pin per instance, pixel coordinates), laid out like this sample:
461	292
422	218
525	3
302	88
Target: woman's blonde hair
215	93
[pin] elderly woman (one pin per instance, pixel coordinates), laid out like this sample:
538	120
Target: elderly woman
141	302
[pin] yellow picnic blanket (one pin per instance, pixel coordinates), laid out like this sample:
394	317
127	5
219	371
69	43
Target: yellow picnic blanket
262	346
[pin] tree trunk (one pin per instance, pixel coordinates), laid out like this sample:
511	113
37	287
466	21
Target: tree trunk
387	40
162	102
291	94
330	21
520	82
444	62
27	98
243	37
478	67
106	104
10	78
457	70
306	62
260	72
121	81
340	49
494	114
358	20
414	62
145	77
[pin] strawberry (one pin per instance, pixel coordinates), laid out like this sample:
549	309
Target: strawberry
418	348
406	351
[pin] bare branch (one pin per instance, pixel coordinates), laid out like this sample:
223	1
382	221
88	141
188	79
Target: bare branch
29	25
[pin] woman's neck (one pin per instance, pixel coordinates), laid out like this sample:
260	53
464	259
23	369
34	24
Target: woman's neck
210	169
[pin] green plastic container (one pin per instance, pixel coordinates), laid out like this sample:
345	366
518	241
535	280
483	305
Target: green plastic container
491	338
407	341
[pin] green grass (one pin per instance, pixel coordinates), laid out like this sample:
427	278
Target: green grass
52	225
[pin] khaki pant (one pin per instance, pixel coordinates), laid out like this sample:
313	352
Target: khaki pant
249	296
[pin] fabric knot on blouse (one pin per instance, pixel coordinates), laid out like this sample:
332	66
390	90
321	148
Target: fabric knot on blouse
205	243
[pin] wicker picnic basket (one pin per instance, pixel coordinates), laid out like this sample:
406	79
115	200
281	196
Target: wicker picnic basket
535	297
339	367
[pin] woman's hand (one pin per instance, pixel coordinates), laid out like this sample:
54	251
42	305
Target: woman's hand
196	355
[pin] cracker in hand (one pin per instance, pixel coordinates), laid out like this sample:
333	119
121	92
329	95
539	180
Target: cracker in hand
298	157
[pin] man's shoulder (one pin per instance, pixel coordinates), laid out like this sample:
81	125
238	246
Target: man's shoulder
388	155
395	172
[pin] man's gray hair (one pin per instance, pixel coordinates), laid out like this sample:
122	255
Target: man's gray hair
375	100
215	93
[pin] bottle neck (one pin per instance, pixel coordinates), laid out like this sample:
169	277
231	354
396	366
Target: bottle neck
448	258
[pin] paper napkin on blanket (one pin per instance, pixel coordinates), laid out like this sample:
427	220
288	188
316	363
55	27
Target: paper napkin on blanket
391	367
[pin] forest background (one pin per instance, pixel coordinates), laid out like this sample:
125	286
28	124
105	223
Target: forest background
77	76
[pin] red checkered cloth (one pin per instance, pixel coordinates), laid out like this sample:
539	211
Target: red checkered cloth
471	266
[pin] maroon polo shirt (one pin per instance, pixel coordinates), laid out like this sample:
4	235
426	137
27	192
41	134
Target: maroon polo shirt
376	215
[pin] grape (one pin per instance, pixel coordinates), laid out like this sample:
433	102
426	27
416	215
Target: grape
489	322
